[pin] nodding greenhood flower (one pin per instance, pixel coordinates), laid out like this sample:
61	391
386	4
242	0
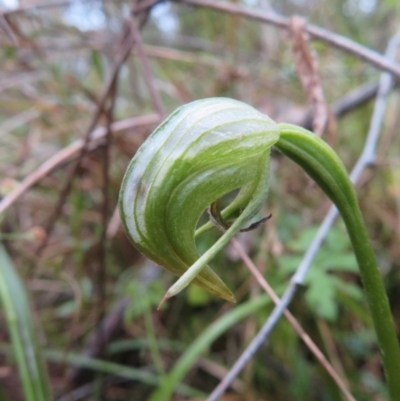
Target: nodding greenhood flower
211	147
204	150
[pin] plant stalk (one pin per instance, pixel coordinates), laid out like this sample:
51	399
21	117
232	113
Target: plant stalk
324	166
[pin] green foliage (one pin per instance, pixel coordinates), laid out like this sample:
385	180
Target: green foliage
143	297
322	285
23	333
202	342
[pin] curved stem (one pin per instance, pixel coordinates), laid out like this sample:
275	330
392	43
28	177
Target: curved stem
324	166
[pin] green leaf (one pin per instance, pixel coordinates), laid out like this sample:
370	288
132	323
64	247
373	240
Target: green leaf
26	348
143	297
331	261
302	242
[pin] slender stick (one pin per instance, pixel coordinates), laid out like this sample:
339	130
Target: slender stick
8	29
314	31
101	265
68	153
293	322
144	5
148	75
125	47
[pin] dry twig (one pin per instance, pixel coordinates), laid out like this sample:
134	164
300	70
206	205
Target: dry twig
154	93
293	322
334	39
307	68
70	152
127	41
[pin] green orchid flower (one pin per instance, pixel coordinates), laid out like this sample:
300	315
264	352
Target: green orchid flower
201	152
209	148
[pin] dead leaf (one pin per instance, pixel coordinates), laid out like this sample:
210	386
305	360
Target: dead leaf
307	69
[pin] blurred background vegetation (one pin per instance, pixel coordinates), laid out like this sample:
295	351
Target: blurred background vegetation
93	297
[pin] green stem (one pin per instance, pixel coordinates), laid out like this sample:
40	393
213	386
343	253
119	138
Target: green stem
153	344
324	166
377	301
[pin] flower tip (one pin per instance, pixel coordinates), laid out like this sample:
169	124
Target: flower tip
230	298
165	297
225	294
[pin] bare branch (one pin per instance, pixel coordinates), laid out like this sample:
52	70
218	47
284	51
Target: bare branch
68	153
155	95
8	29
293	322
316	32
142	6
101	265
114	224
126	43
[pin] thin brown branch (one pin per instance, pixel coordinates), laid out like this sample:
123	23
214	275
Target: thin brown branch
154	93
330	346
293	322
100	278
126	44
334	39
39	5
100	262
194	58
9	30
68	153
142	6
219	371
145	5
114	224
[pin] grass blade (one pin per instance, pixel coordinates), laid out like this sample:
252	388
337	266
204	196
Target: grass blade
193	352
21	328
